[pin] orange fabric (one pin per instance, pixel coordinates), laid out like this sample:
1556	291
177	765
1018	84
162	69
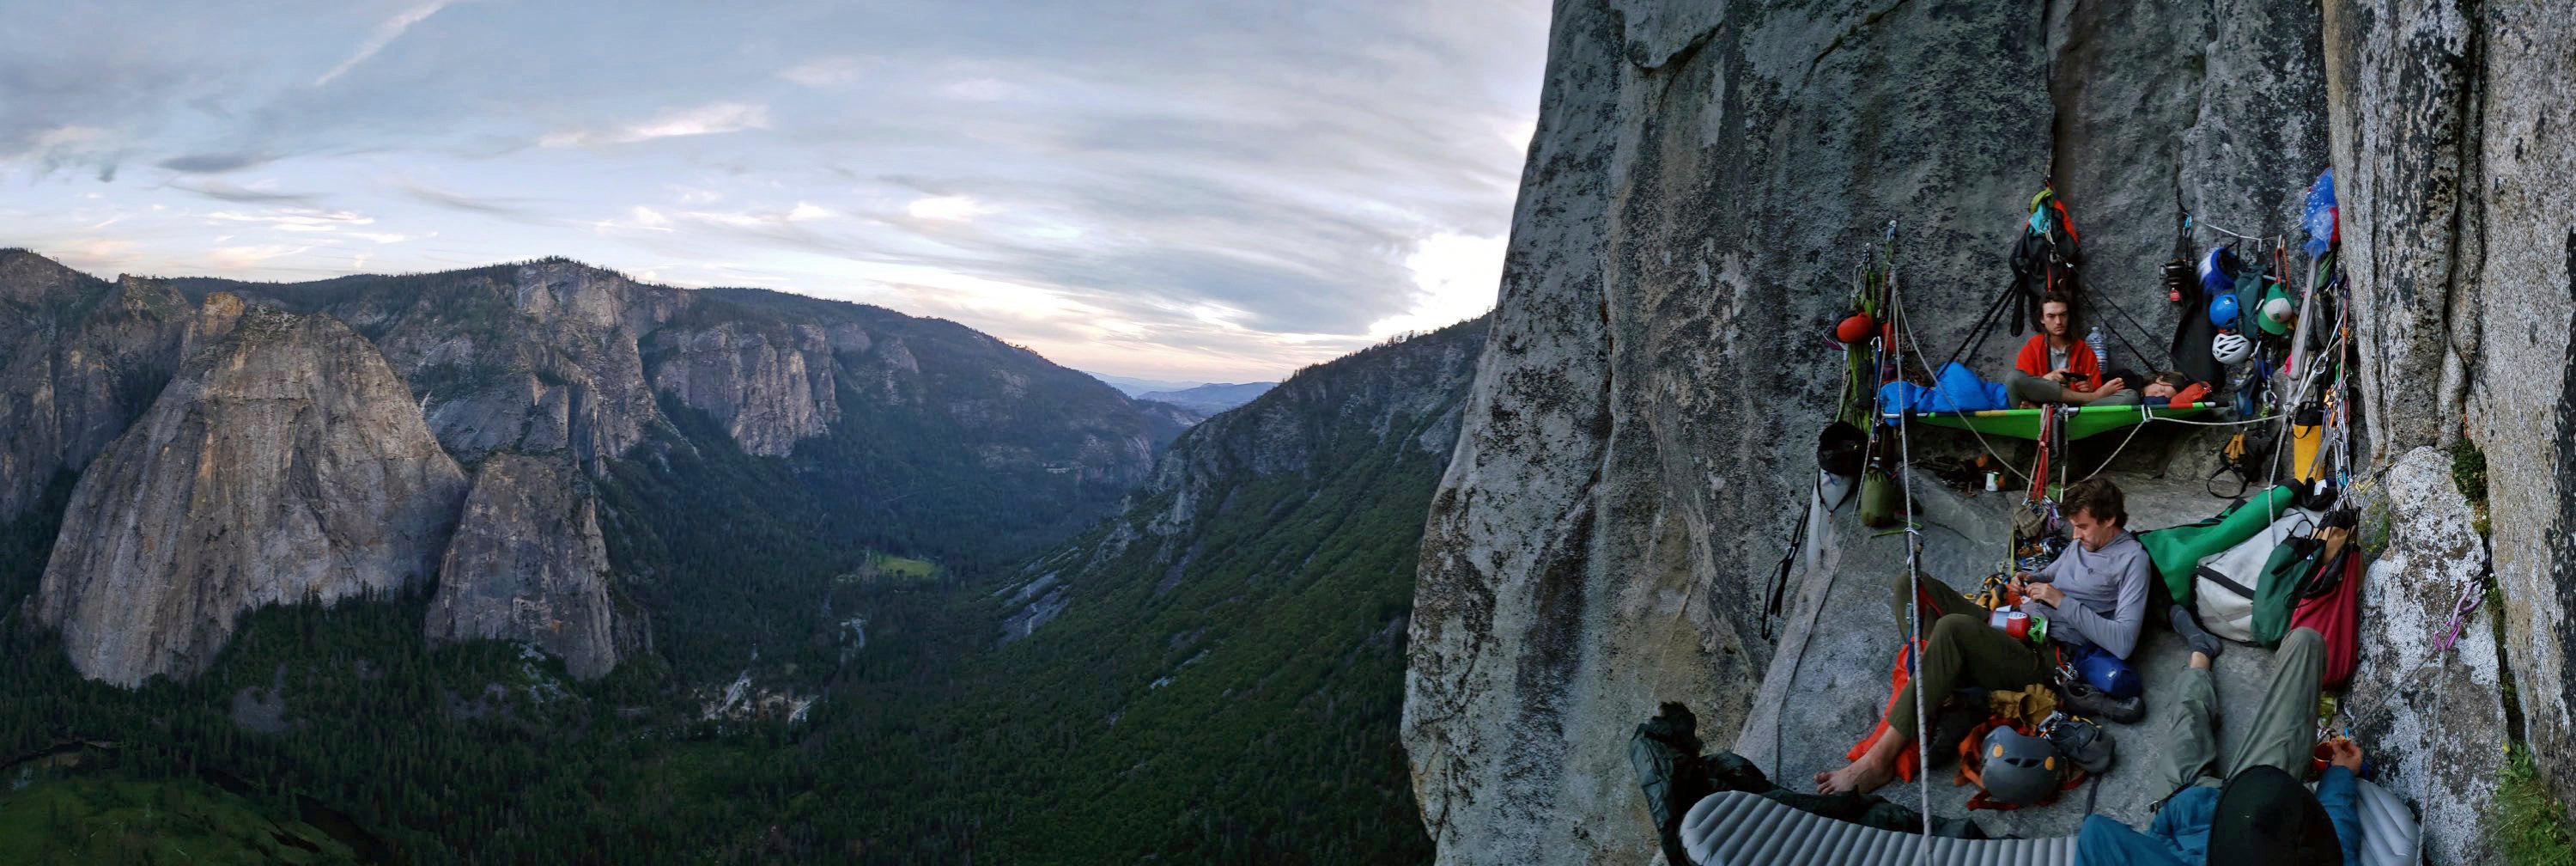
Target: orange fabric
2080	361
1910	761
1970	763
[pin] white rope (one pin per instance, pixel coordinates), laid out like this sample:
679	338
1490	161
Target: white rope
2275	239
1907	332
1914	583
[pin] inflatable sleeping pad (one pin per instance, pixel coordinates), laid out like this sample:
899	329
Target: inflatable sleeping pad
1734	828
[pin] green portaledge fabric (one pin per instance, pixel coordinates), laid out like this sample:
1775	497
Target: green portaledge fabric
2177	549
2024	423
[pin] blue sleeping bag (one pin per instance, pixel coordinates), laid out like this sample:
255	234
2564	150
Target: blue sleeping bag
1957	389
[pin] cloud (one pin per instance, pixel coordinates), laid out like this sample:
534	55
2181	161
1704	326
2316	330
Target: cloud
295	219
505	207
710	119
945	207
1267	186
222	191
1455	278
214	163
245	257
383	35
838	71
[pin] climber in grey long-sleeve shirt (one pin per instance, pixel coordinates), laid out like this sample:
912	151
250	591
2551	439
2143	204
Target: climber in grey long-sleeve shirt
2106	583
2095	595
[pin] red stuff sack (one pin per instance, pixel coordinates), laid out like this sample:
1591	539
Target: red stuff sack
2335	613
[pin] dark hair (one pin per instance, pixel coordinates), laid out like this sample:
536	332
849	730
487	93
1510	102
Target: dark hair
2176	378
2100	498
2058	298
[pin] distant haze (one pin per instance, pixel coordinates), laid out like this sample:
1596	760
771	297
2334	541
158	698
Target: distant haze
1211	399
1186	191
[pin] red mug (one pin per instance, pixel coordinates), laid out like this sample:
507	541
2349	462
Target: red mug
2017	624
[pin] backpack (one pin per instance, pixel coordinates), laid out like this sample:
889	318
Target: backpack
2192	330
2045	258
2228	587
1664	753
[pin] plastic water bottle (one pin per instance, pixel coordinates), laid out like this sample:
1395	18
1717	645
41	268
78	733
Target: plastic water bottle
2101	355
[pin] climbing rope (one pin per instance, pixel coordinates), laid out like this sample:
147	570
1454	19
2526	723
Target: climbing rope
1913	575
1905	334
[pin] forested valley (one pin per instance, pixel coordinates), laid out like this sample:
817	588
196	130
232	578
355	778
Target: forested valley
830	678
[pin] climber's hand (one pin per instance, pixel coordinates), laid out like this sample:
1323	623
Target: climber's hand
2343	753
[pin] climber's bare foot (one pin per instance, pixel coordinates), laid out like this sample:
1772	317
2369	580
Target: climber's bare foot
1859	777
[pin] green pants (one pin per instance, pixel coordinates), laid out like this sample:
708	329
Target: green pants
1964	652
2285	729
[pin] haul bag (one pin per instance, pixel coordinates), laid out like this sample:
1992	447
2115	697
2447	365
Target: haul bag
2284	575
2176	550
2336	615
2226	585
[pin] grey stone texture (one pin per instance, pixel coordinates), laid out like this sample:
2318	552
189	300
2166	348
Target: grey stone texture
79	358
2451	120
528	564
1703	182
284	463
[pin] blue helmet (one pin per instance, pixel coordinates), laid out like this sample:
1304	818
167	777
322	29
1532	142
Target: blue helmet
2222	311
2218	269
2113	676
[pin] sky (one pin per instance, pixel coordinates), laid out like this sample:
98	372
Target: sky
1200	190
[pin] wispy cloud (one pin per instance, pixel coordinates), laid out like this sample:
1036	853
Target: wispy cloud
837	71
492	206
1263	188
294	219
707	119
214	163
383	35
221	191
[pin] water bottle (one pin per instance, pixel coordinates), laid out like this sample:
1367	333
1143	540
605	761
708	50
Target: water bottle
2101	356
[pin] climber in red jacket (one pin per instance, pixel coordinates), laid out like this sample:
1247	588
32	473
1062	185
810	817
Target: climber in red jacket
2055	367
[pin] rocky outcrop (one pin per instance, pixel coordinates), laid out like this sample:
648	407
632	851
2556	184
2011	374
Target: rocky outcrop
1703	180
79	358
537	358
769	388
528	564
1407	390
2434	719
284	463
2448	122
1397	404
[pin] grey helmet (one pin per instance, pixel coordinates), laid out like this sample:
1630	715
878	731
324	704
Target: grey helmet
2018	769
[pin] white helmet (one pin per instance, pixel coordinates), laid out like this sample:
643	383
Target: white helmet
2231	349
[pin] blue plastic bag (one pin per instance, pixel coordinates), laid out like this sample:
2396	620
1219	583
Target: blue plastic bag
2323	219
1956	389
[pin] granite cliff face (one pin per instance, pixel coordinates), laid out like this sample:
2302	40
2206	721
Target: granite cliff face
82	357
284	463
2449	126
769	390
528	564
282	467
1705	177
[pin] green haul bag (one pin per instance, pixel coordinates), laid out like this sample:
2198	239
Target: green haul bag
1879	502
2176	550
